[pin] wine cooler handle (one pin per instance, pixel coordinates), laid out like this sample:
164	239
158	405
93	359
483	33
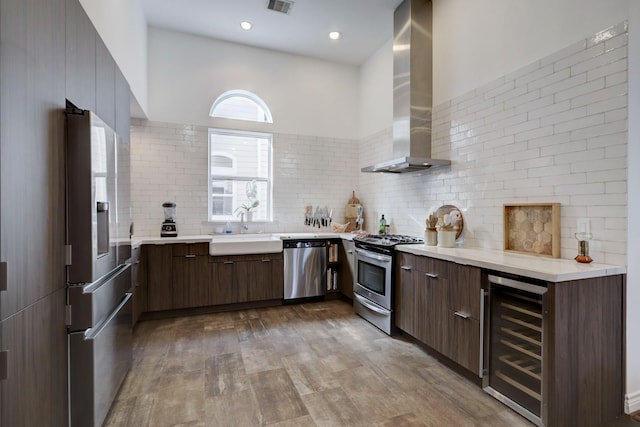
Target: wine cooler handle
483	296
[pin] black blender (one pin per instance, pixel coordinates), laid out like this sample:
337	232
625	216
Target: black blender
169	228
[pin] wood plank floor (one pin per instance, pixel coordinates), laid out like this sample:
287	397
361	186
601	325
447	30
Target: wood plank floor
315	364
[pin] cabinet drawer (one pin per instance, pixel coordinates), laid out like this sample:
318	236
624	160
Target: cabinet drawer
184	249
253	257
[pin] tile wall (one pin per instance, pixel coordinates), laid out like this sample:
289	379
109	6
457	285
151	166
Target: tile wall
169	163
552	131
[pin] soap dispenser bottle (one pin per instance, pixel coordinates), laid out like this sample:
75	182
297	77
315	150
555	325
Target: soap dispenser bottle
383	226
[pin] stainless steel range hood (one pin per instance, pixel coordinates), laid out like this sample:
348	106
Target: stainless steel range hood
412	90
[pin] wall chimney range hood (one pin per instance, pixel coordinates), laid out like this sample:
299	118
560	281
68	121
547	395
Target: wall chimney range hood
412	90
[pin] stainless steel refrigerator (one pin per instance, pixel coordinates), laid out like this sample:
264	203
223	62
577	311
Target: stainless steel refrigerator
99	270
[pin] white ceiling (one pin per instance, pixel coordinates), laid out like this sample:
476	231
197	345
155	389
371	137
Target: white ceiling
365	24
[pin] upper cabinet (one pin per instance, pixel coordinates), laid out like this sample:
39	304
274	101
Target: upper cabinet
105	84
32	89
93	80
81	57
123	106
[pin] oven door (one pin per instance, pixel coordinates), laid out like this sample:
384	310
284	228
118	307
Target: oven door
373	277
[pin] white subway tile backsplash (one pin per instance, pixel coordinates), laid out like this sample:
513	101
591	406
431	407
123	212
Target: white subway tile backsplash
563	140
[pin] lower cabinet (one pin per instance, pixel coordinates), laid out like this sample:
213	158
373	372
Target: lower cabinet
159	259
190	281
184	275
438	303
348	271
245	278
441	304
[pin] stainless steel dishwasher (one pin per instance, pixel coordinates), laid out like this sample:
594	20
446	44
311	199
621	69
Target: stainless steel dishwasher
305	268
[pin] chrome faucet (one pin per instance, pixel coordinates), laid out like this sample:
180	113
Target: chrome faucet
244	227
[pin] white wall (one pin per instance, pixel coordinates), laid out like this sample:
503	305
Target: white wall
633	191
306	96
477	41
123	28
376	91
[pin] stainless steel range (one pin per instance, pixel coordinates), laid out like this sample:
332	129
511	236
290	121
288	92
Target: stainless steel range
373	289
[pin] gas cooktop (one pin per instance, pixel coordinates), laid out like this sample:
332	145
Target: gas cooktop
387	240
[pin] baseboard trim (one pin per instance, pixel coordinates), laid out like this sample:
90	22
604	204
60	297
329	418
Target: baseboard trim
632	402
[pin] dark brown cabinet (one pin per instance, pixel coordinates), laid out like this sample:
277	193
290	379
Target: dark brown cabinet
348	270
438	303
190	275
182	276
442	303
222	288
138	282
159	260
265	281
422	299
123	106
80	57
464	317
245	278
105	84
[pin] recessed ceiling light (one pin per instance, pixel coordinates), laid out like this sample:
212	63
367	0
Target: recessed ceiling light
246	25
335	35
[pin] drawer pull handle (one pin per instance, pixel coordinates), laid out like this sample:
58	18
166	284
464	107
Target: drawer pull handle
462	314
406	267
432	275
228	262
266	260
189	256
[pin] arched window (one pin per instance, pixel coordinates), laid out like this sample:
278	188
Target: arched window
241	105
240	175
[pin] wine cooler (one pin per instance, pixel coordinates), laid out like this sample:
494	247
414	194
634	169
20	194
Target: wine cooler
516	324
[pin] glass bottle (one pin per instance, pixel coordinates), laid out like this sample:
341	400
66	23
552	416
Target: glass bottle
383	225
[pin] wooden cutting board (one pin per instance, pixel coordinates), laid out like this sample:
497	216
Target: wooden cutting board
351	212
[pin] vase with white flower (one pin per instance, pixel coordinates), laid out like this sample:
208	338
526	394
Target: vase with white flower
246	210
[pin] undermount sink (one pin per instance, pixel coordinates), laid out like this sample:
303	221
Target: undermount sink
240	244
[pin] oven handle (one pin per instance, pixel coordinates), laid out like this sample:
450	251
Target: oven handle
367	254
368	305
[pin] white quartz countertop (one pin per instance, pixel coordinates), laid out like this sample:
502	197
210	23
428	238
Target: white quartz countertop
205	238
549	269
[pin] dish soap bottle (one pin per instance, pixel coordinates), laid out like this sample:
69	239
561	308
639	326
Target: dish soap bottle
383	226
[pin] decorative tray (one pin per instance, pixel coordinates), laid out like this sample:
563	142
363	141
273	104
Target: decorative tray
532	228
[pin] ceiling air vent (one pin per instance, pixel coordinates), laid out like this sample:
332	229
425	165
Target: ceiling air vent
283	6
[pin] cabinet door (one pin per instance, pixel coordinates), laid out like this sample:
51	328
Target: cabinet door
435	275
190	286
264	280
464	341
464	290
80	57
222	289
464	316
138	284
159	277
105	84
404	293
123	106
34	392
348	271
32	209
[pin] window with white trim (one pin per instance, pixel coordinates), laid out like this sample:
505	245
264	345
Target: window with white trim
240	162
